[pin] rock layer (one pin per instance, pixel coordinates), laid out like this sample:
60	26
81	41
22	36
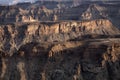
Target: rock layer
74	60
52	51
36	45
15	35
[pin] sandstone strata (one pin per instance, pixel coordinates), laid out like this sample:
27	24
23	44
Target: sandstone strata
38	43
15	35
82	60
52	51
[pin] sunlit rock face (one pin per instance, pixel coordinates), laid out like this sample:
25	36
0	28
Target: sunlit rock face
60	50
60	41
15	35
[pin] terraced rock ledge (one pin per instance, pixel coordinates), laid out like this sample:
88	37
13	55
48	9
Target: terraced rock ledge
65	50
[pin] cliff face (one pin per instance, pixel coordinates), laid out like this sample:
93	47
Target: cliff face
75	60
15	35
70	43
86	61
52	51
53	11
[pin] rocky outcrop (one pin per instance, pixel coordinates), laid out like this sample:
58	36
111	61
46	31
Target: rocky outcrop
90	61
94	11
52	51
15	35
83	60
36	45
53	11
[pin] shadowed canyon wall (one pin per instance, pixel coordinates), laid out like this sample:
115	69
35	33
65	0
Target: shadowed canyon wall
60	41
75	60
50	51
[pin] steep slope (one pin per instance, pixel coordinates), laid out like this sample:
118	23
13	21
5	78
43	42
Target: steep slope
53	11
60	42
15	35
94	11
82	60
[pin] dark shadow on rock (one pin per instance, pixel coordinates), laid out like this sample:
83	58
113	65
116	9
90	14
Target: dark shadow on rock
84	62
34	56
79	63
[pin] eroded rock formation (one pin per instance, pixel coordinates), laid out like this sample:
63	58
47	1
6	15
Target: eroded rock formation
78	42
75	60
52	51
15	35
53	11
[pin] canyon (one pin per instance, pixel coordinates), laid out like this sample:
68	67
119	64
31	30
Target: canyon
60	43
